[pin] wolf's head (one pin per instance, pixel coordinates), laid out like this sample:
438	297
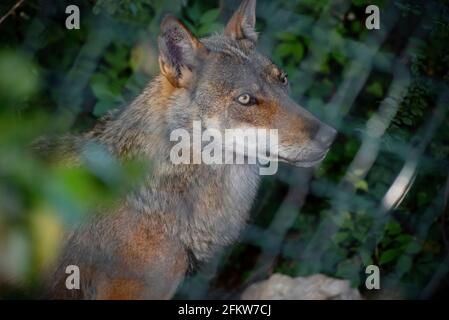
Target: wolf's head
226	83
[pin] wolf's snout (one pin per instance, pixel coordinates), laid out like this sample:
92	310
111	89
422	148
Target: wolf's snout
325	135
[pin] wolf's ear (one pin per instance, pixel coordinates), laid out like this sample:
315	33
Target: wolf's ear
243	22
178	51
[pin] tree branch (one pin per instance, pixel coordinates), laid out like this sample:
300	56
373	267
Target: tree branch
11	11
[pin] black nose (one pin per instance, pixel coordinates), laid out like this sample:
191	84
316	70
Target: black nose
325	136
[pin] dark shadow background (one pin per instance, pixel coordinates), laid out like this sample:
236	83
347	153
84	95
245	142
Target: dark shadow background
380	197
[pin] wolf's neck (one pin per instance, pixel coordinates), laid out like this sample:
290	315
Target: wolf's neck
204	207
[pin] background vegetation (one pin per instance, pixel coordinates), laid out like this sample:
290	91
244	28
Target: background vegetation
380	197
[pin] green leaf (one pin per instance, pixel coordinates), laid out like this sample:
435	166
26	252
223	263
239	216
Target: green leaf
407	121
190	26
101	92
340	218
298	51
104	89
375	89
358	3
18	77
102	107
360	236
405	263
413	247
193	12
207	29
210	16
365	257
348	223
393	228
389	255
340	237
404	239
282	50
349	269
362	185
286	36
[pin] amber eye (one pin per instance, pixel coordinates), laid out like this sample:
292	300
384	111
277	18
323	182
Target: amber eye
246	99
284	78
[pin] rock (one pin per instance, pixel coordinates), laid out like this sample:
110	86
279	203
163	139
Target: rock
315	287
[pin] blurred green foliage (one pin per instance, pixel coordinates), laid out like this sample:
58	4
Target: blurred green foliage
54	80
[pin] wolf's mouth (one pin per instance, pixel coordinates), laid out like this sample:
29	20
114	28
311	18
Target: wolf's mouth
305	163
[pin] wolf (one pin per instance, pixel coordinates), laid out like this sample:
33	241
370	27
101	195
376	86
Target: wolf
181	214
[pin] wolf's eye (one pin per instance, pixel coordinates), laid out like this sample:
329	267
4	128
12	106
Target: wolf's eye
284	78
246	99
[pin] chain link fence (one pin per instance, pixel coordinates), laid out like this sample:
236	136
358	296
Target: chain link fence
381	195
